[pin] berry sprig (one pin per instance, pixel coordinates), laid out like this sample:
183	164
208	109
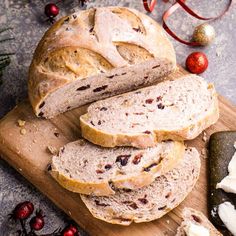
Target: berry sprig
37	222
22	213
51	10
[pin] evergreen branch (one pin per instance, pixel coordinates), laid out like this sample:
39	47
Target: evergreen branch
6	54
5	29
5	64
4	59
7	39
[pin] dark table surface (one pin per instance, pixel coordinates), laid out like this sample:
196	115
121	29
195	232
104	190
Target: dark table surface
28	22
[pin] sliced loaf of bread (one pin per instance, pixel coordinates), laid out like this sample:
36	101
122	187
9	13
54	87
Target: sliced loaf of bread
195	220
89	169
150	202
178	110
97	53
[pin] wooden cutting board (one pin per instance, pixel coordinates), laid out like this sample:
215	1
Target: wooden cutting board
28	153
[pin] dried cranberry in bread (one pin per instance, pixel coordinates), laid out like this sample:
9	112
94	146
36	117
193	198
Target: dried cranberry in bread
89	169
95	54
151	202
192	216
177	110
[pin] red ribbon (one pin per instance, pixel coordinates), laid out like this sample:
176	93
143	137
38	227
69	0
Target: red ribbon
172	9
149	7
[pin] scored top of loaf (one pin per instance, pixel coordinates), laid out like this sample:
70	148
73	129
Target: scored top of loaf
93	42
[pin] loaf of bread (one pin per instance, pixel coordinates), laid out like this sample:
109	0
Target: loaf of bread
85	168
195	218
178	110
151	202
95	54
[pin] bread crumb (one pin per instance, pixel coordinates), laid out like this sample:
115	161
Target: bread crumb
34	141
204	137
52	150
218	53
22	131
204	153
21	123
69	213
167	221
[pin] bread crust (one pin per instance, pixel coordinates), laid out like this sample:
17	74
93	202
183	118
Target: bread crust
187	216
144	140
44	81
134	181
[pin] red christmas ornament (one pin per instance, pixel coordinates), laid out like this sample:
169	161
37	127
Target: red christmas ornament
197	62
23	210
37	222
150	4
51	10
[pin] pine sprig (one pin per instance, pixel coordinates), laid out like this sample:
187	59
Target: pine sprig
5	56
4	62
6	39
5	29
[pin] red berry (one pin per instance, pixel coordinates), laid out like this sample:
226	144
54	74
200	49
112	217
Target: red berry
51	10
37	222
73	228
70	231
197	62
23	210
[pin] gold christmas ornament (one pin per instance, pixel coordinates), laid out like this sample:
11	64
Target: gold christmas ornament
204	34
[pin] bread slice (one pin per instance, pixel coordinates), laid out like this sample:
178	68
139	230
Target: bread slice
85	168
191	216
97	53
178	110
151	202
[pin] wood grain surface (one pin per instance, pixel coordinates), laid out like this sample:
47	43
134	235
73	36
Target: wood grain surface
28	153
